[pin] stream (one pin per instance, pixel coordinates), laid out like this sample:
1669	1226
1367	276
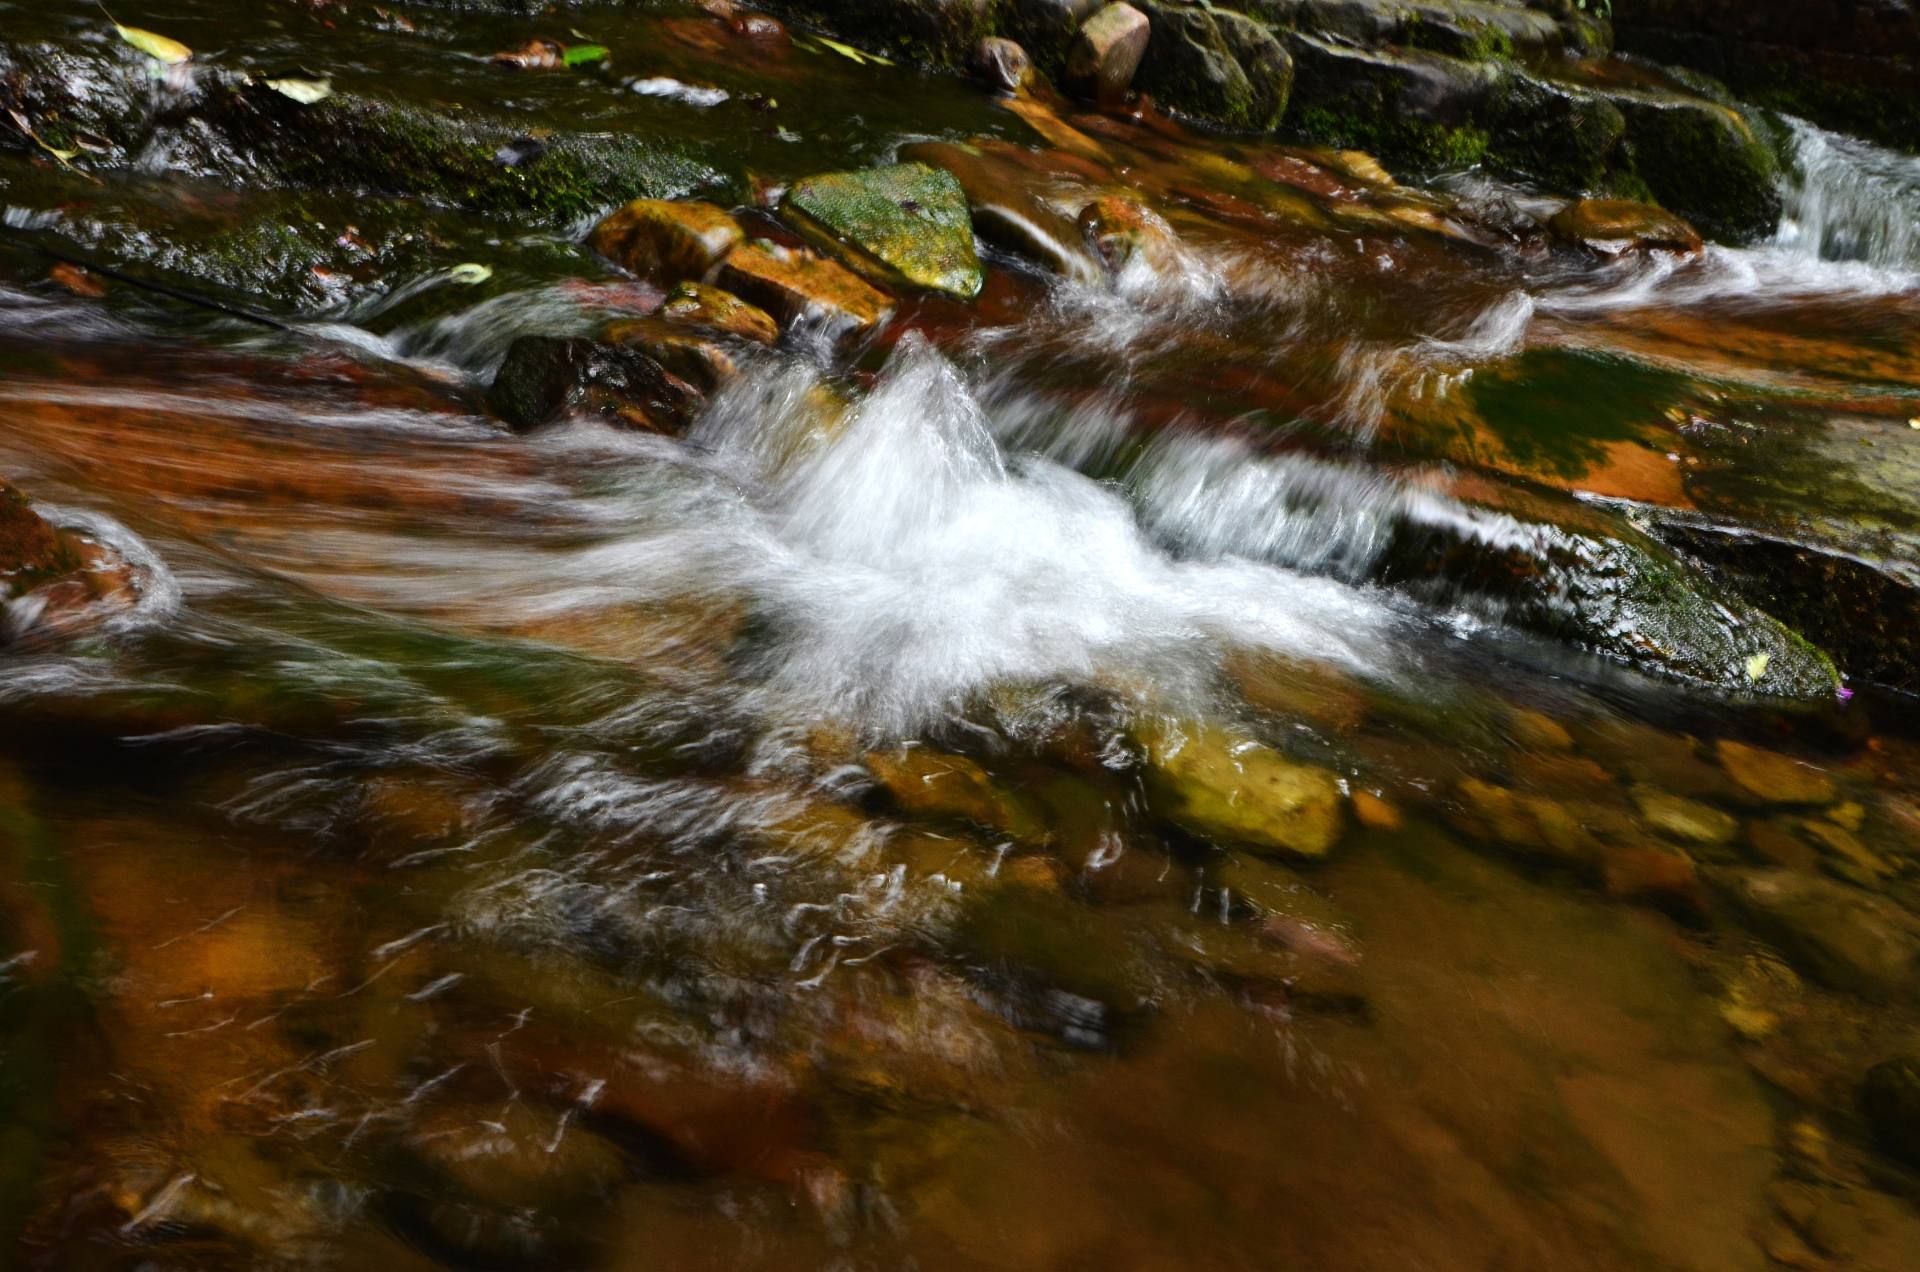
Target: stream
799	841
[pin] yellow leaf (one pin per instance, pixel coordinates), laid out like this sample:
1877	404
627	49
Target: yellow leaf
1757	666
158	47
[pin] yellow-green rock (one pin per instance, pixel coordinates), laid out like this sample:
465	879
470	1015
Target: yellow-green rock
1233	790
905	224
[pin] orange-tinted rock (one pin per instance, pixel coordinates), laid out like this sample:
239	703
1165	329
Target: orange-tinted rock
1121	229
1771	777
1377	813
792	284
1613	226
31	551
698	305
534	55
667	241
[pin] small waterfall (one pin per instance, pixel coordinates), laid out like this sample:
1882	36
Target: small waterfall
1847	199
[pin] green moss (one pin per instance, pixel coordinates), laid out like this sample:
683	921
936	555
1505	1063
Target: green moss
1418	142
1704	161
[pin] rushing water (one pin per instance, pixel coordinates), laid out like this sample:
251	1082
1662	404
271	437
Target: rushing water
591	848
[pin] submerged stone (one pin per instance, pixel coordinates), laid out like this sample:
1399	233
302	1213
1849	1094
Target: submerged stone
797	285
940	784
1613	226
1106	53
1890	1102
1848	938
905	224
1773	778
1233	790
667	241
1685	819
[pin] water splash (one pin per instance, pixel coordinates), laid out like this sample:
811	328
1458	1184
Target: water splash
1849	200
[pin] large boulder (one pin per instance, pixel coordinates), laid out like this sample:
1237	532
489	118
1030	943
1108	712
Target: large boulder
1421	108
1105	54
1844	936
1703	159
1215	65
905	225
1847	64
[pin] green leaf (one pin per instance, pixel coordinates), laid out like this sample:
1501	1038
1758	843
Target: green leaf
844	50
306	92
581	54
469	274
157	47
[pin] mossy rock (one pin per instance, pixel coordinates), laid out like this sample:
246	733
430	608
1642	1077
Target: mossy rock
1045	28
1705	160
906	224
937	33
1425	110
1558	135
374	145
1215	65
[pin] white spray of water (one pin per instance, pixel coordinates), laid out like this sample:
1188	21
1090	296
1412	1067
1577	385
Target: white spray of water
1849	200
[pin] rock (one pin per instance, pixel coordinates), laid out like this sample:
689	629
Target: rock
1536	825
1001	63
1106	53
932	783
919	32
1773	778
545	377
1844	65
1703	160
691	355
1659	876
1007	211
1069	969
1422	108
1686	820
32	552
1047	28
1612	226
373	144
666	241
1376	812
711	309
906	224
1844	855
1119	231
1471	29
1290	913
1849	939
1552	133
797	285
1538	731
1889	1100
1232	790
1216	65
1860	607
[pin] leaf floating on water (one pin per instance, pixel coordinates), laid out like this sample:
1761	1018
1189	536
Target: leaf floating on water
1757	666
306	92
157	47
469	274
583	54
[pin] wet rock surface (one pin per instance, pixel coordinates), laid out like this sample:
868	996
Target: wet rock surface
907	224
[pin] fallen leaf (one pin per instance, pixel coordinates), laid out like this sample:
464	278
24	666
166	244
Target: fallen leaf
1757	666
306	92
158	47
78	280
469	273
582	54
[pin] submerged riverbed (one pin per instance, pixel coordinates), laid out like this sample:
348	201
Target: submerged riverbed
1364	736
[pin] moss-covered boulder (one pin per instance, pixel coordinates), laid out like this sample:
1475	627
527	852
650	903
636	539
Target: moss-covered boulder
1612	226
1216	66
1420	108
377	145
906	224
1235	791
665	240
797	286
1703	159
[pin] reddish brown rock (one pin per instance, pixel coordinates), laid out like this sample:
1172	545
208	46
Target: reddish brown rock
666	241
689	354
1119	229
792	284
1001	63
